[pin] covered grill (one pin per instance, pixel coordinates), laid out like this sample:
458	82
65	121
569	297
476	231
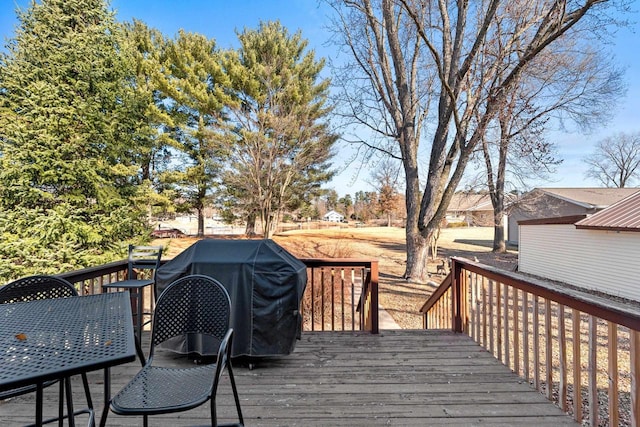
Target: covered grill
266	284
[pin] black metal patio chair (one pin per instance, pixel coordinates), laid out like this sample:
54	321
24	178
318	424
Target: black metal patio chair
194	304
39	287
140	258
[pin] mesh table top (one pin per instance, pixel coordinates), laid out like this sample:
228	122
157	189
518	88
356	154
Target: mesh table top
55	338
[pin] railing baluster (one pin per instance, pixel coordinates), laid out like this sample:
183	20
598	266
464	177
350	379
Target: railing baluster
525	335
472	304
333	299
484	313
353	299
548	348
313	299
505	313
499	320
613	373
577	367
492	348
516	333
593	371
322	302
477	306
536	343
562	355
471	297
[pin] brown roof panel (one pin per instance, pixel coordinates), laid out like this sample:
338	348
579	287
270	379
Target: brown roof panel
621	216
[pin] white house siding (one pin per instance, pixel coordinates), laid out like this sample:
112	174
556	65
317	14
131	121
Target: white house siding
605	261
333	216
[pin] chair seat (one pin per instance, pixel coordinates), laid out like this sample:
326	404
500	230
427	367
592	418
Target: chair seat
158	390
129	284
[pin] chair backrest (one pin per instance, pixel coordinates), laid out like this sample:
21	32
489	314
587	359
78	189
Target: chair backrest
36	287
143	258
193	304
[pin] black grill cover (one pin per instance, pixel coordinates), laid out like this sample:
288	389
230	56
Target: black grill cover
266	284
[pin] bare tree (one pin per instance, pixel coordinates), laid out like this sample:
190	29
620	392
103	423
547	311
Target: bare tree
390	95
385	180
615	160
569	81
443	40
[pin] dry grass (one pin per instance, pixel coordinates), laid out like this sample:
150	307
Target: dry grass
401	298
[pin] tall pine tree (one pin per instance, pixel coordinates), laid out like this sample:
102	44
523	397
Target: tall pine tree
197	91
67	169
282	148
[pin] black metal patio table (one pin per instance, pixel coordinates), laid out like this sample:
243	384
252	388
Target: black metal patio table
56	338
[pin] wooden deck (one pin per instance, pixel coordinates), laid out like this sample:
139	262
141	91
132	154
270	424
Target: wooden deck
400	378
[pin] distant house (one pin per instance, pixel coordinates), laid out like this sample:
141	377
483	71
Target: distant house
544	203
594	252
333	216
471	209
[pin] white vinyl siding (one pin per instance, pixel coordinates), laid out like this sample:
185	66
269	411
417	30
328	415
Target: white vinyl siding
606	261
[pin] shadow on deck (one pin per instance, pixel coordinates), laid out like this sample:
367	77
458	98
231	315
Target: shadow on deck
399	377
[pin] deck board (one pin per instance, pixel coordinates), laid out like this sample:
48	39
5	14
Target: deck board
399	377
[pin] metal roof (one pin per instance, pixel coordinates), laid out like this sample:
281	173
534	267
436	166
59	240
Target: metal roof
621	216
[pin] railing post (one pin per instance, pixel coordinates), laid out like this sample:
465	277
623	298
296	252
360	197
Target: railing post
374	312
635	377
457	303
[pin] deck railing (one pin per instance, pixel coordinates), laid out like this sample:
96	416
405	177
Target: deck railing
341	294
581	350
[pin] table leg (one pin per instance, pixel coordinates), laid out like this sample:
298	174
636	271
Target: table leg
39	405
61	404
107	397
67	386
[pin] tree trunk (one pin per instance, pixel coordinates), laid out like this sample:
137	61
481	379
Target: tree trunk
200	221
250	229
268	226
417	253
417	243
499	245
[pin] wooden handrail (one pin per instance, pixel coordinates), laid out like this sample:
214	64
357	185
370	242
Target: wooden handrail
523	321
625	314
445	285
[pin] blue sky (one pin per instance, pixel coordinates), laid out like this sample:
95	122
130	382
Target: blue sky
220	20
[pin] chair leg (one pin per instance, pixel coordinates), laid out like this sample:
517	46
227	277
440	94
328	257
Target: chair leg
214	419
140	353
145	421
235	393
